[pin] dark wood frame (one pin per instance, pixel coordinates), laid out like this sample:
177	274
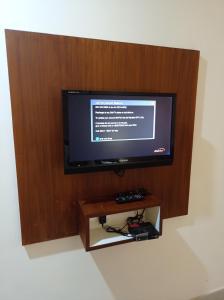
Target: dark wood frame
40	66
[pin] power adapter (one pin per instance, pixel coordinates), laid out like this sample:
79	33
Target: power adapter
102	220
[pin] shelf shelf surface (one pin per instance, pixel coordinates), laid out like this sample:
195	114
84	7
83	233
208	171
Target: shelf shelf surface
95	209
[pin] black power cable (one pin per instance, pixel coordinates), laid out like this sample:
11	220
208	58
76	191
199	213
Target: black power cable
137	219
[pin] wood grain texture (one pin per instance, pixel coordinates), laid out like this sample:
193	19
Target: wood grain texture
95	209
40	66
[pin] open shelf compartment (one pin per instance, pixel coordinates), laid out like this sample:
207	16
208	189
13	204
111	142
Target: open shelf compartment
94	236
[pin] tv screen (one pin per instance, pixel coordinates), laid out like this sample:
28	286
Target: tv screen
117	130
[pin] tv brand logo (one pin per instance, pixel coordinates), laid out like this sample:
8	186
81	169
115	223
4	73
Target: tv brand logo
160	150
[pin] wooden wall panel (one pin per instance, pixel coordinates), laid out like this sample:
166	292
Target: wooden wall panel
40	66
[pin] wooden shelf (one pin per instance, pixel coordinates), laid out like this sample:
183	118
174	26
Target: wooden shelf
94	236
111	207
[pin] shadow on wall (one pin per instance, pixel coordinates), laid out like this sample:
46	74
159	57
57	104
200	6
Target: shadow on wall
203	159
54	247
163	269
218	295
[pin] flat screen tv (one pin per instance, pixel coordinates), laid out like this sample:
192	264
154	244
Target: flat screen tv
117	130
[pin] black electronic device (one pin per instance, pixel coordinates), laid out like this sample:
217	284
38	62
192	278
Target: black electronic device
143	231
131	196
137	228
117	130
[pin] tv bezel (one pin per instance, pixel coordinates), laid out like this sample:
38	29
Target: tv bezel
139	162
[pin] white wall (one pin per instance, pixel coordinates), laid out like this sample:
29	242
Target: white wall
189	259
